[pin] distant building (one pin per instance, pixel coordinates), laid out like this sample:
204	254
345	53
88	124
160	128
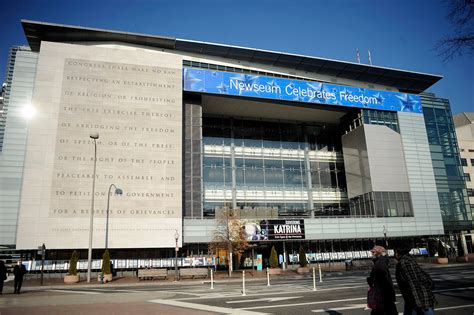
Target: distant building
3	114
332	154
464	123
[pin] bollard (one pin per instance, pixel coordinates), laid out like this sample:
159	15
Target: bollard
268	277
320	274
243	283
212	280
314	279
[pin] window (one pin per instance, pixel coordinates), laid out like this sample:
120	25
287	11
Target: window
463	162
472	162
467	177
470	192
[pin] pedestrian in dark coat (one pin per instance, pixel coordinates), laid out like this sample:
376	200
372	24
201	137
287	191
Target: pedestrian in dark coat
381	291
18	271
3	274
415	285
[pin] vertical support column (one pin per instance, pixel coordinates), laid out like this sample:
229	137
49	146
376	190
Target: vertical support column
307	166
232	161
193	151
284	255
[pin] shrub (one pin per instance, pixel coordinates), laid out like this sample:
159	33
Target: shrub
441	250
302	257
106	263
273	258
460	248
73	264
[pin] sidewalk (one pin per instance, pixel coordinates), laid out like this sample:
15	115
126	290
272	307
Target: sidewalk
32	282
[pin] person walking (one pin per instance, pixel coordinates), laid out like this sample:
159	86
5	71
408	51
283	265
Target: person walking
18	271
3	275
415	285
381	296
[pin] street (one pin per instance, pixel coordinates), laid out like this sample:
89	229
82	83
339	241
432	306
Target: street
339	293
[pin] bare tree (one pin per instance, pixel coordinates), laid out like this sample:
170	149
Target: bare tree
229	235
460	15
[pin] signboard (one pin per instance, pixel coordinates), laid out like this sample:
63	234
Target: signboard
267	230
239	84
259	262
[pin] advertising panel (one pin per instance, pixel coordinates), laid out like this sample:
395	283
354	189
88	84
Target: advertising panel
267	230
239	84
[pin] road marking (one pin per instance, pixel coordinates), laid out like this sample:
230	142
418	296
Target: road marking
199	295
449	308
306	303
344	300
454	289
72	291
332	309
131	291
453	307
206	295
276	299
202	307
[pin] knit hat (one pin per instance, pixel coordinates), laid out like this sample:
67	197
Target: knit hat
378	250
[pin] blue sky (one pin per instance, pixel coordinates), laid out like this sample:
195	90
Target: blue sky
400	33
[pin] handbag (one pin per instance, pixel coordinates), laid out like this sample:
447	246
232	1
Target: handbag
374	298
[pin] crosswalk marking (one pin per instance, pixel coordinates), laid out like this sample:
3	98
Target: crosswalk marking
202	307
75	292
350	307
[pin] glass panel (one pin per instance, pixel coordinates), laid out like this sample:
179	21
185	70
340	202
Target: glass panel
254	163
315	179
275	164
293	178
239	177
213	176
273	177
254	177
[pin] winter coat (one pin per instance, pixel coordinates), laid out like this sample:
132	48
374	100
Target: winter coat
415	285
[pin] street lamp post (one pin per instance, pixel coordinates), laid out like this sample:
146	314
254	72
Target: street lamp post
94	137
176	237
118	191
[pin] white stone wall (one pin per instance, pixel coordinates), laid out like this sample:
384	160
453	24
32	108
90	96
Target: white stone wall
133	99
388	170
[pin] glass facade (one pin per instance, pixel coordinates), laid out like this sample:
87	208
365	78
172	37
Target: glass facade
447	167
273	168
382	204
378	117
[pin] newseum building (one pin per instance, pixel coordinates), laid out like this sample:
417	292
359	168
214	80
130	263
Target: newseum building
329	154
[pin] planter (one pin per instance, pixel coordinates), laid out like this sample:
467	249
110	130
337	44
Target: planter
274	271
107	277
442	260
462	259
302	270
71	279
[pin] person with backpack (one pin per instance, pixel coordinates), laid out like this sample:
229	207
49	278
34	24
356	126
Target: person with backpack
415	285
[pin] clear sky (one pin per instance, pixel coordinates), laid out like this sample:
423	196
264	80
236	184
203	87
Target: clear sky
399	33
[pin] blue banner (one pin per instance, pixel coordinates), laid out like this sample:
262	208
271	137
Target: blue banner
239	84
